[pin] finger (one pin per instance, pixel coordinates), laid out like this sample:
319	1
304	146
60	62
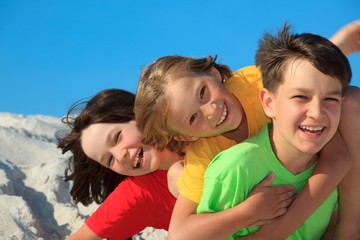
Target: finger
283	189
267	180
258	223
289	199
287	189
280	212
287	196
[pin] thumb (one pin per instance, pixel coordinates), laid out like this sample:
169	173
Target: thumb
267	180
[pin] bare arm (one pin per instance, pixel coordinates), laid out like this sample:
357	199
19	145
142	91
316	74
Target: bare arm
263	203
84	233
348	225
348	38
329	233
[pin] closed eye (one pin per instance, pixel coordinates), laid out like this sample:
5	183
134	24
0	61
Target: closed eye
333	99
300	97
202	92
110	161
115	141
117	137
192	118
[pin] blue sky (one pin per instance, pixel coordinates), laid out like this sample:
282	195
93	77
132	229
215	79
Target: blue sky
53	53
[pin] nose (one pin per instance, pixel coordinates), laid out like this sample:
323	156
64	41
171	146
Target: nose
315	110
209	111
120	154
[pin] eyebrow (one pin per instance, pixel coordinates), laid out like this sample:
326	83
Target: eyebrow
331	92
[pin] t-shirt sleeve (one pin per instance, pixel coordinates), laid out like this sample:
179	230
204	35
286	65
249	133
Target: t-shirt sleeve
191	181
217	195
212	194
198	156
225	184
115	218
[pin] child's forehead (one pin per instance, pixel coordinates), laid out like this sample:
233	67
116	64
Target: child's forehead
185	73
302	74
182	80
183	90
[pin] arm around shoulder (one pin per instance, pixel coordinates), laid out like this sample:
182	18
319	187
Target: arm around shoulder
185	224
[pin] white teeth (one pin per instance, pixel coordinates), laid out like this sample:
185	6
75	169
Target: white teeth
311	129
137	158
223	116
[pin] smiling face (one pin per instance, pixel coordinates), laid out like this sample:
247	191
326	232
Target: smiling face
202	107
305	110
118	147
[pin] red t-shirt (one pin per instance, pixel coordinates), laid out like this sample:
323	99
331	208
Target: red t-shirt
137	203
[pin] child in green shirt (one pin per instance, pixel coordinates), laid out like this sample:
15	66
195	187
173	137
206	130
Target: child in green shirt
304	79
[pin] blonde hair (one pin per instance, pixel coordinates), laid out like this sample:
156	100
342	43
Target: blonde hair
152	103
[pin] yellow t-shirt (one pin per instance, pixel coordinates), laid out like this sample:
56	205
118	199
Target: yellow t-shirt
245	84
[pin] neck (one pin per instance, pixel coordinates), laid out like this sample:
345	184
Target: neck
240	133
295	164
291	158
168	158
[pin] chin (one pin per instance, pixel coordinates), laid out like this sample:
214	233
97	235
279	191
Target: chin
312	151
145	172
155	166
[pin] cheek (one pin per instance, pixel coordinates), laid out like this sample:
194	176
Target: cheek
174	125
336	113
118	170
154	160
221	91
135	137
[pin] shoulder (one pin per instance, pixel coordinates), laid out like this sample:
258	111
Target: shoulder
132	206
137	194
247	76
205	149
236	158
248	71
148	186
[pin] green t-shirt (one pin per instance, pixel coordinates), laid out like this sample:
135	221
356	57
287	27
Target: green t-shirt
234	172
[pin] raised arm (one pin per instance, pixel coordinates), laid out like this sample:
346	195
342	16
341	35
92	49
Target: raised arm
347	38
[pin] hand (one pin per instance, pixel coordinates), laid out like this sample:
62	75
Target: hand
347	38
250	237
268	201
267	232
256	236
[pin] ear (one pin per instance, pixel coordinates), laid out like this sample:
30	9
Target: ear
186	138
216	74
267	100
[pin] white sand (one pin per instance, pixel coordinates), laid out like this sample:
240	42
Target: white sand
34	200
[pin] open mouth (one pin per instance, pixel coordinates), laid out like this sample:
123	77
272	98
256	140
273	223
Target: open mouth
224	115
139	158
311	130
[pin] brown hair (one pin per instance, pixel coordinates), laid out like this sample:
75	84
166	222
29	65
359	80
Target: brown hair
92	181
152	102
276	52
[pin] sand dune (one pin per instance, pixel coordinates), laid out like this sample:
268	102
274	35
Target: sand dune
34	200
